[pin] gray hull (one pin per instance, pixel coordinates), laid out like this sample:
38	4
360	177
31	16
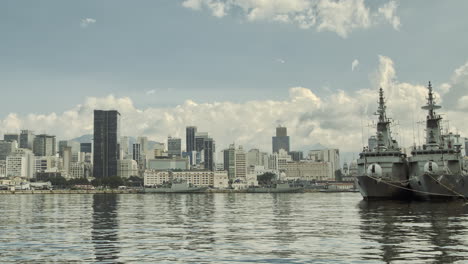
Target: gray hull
372	189
440	187
276	190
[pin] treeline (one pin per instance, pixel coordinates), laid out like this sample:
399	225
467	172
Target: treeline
108	182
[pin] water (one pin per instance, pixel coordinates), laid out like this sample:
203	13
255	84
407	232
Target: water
229	228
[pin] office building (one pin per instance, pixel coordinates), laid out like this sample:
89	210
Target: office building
174	147
190	138
327	155
106	150
86	147
308	171
297	155
281	140
200	138
229	156
127	168
44	145
11	137
208	154
20	164
6	148
168	164
26	139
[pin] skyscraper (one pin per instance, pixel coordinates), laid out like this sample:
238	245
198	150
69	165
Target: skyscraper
230	161
106	143
190	138
209	150
11	137
26	139
44	145
174	147
281	141
86	147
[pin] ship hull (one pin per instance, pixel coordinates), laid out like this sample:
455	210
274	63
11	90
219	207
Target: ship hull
276	190
439	187
169	190
372	189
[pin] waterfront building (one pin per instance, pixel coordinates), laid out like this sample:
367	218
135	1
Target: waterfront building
190	132
197	178
11	137
106	151
174	147
127	168
44	145
20	164
6	148
281	140
46	163
327	155
278	161
168	164
308	171
220	180
26	139
77	170
155	177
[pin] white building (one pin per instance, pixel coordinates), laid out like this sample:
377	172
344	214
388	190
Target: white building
309	171
3	169
240	163
46	163
327	155
77	170
154	177
197	178
20	164
220	180
127	168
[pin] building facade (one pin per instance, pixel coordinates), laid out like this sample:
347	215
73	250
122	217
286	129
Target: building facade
281	140
44	145
106	150
127	168
174	147
190	132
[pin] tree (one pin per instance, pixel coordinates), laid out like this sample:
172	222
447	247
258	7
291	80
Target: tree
266	178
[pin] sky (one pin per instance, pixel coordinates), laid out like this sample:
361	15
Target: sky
234	68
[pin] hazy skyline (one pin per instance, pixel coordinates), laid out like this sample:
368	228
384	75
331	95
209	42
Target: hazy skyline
236	69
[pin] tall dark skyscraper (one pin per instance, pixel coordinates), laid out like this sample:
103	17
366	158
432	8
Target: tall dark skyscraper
208	154
190	138
26	139
86	147
106	143
11	137
281	141
44	145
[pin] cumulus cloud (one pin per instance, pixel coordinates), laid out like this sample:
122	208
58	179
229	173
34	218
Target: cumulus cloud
337	16
85	22
151	92
333	120
354	64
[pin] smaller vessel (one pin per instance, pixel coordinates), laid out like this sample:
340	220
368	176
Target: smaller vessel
280	187
176	186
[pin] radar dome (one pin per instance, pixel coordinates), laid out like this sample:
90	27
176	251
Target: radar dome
431	167
374	170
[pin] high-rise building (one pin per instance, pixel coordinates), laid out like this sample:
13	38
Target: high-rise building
20	164
106	143
331	156
44	145
75	148
230	161
200	138
11	137
137	152
209	150
86	147
190	132
26	139
6	148
67	161
281	140
174	147
124	148
297	155
241	163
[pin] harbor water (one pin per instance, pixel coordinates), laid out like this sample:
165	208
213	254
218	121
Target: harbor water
229	228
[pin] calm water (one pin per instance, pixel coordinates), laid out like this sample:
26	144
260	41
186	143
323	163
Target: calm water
229	228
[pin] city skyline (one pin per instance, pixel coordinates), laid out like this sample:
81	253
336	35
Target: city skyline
316	79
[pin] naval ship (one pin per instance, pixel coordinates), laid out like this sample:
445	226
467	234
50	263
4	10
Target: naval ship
382	169
436	168
176	186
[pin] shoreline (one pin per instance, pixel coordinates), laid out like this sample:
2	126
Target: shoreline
24	192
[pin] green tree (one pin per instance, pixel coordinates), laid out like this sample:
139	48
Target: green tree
266	178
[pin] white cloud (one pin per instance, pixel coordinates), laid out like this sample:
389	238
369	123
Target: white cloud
279	60
333	120
85	22
341	17
151	92
354	64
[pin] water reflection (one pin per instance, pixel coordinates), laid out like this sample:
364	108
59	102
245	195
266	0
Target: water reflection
414	232
105	227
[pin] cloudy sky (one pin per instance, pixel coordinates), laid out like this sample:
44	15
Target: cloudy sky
234	68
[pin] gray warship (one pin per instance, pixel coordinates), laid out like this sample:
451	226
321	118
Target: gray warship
176	186
382	169
436	168
280	187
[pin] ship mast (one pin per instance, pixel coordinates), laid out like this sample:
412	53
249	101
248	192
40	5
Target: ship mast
384	135
433	129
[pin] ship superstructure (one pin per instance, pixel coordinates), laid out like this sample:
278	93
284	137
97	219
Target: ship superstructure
436	167
382	169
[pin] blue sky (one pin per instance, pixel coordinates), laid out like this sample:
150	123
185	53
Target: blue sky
160	53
